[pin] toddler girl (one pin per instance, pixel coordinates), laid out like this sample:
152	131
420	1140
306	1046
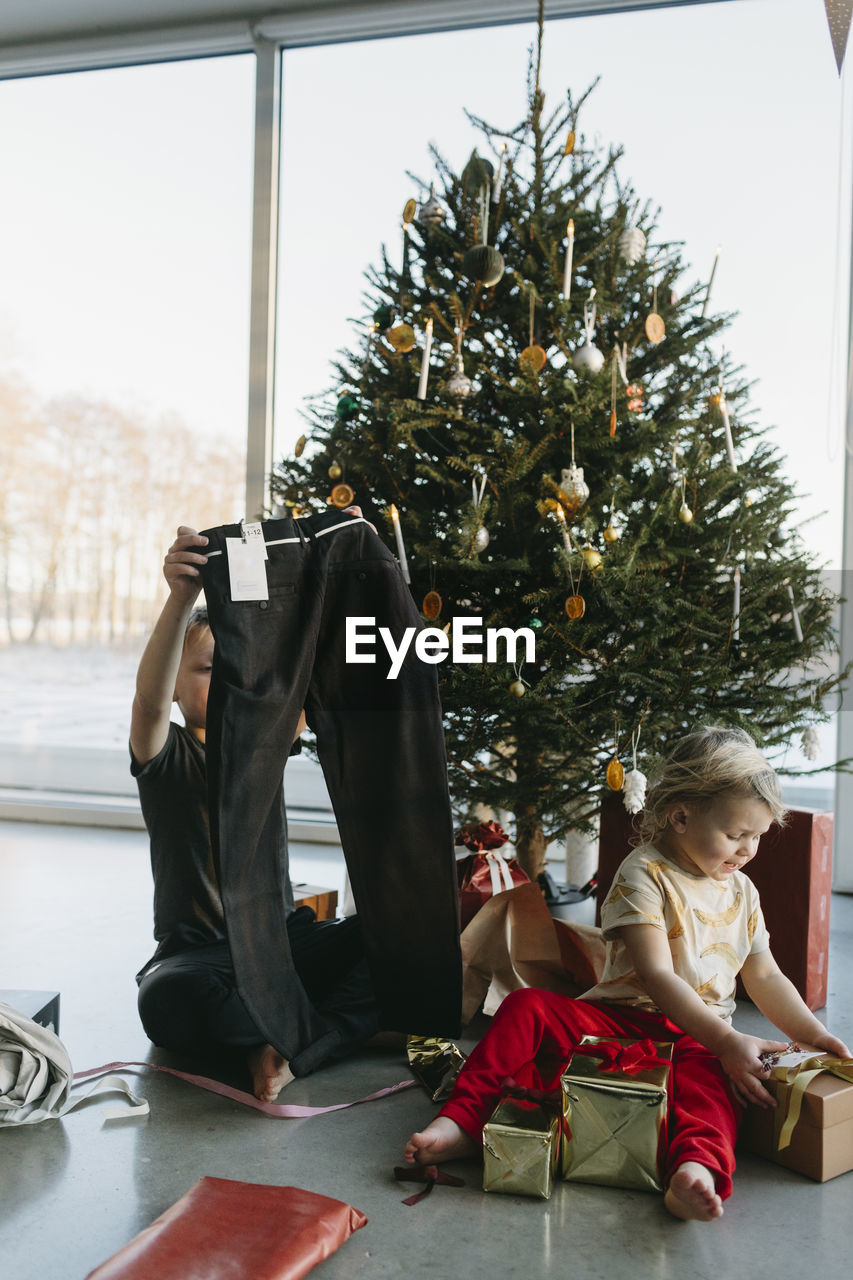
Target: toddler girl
681	921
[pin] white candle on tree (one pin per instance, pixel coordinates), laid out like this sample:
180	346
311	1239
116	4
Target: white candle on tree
422	384
401	550
570	252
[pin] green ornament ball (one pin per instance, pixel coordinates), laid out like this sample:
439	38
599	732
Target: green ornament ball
535	624
346	408
383	317
484	263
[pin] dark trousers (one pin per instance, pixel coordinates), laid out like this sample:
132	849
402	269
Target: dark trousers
189	1002
381	746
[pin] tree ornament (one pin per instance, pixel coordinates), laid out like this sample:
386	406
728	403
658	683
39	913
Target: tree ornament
611	533
588	359
574	490
483	264
431	607
685	515
299	447
346	408
410	208
635	397
481	537
476	174
517	689
655	327
383	317
634	791
632	245
459	385
402	338
533	359
335	471
575	606
569	144
810	743
342	496
431	213
535	624
592	558
615	775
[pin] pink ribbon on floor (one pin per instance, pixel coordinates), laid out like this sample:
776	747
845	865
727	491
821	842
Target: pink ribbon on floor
279	1110
428	1173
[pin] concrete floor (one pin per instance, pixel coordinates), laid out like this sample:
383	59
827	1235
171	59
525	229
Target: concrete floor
75	917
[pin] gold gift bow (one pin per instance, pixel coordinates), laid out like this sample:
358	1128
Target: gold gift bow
799	1078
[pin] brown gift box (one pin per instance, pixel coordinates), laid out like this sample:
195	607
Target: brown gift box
792	872
821	1143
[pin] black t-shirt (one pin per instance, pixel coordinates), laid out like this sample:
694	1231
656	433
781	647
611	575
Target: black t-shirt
173	795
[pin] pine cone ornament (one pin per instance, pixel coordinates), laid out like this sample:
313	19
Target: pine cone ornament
810	743
632	245
634	791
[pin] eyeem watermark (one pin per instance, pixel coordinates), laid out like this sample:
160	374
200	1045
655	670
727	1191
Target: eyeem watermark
432	645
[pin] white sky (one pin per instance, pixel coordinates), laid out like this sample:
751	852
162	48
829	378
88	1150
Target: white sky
125	215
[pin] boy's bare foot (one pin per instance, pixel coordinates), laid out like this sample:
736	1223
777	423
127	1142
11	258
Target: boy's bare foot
270	1072
692	1193
443	1139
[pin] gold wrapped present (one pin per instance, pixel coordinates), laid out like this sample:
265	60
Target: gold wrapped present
521	1148
811	1127
615	1107
435	1063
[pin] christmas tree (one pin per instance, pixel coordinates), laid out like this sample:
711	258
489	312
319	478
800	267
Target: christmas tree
563	446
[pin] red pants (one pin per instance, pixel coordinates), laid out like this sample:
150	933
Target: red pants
539	1025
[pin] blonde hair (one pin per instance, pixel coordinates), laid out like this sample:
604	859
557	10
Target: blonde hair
702	766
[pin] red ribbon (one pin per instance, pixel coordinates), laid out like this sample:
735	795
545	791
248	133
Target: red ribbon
627	1058
488	835
428	1173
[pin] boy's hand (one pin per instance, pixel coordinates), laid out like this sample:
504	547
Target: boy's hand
831	1044
742	1064
180	565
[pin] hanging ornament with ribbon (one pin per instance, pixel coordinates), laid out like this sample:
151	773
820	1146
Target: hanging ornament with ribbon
685	514
655	327
634	790
810	742
481	537
573	491
588	359
533	357
459	386
611	533
432	605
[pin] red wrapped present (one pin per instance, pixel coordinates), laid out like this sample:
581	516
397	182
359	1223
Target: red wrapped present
486	872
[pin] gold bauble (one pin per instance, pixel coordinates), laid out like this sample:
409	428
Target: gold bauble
532	359
615	775
335	471
575	606
410	208
402	338
611	534
517	689
342	496
299	446
570	143
685	515
592	558
431	607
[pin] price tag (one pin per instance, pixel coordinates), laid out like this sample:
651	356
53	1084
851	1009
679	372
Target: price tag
246	572
254	533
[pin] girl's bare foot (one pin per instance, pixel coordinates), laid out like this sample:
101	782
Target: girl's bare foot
443	1139
693	1194
270	1072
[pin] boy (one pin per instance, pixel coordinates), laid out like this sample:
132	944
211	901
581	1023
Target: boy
188	996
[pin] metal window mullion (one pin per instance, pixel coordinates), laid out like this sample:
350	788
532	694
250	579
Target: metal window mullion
259	435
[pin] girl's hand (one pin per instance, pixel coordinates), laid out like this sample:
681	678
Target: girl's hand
741	1061
831	1044
180	565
